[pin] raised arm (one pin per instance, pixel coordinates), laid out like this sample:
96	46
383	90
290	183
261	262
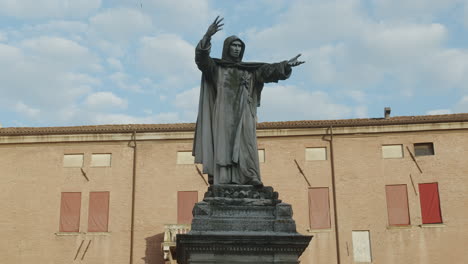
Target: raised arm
202	51
277	71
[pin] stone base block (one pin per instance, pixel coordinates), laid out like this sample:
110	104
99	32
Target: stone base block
231	248
241	224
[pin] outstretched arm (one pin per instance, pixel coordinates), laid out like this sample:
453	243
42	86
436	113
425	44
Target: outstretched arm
212	29
277	71
202	51
294	62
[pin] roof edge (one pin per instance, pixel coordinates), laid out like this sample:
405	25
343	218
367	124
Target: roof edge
184	127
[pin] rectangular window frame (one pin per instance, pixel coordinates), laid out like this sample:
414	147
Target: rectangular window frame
418	153
93	165
184	212
392	157
95	227
72	154
431	214
64	207
320	206
323	156
358	255
182	160
261	155
391	212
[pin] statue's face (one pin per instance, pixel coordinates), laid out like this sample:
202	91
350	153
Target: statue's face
235	49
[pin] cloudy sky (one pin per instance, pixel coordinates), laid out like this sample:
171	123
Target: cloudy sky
84	62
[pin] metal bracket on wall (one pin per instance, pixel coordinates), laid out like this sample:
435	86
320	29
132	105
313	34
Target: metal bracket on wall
86	250
201	174
412	183
79	248
414	159
302	173
84	174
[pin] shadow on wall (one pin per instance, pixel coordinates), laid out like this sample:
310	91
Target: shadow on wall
154	253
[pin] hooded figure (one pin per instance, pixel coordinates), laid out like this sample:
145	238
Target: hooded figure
225	135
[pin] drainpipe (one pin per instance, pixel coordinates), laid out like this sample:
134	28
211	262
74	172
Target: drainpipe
332	163
133	145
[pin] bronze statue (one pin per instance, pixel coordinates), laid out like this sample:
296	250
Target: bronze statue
225	135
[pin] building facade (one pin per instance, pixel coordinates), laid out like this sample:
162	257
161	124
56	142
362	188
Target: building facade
384	190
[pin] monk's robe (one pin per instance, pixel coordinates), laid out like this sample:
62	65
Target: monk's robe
225	135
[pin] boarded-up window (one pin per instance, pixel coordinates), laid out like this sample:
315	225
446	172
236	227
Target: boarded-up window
185	157
319	208
397	204
392	151
185	203
70	212
73	160
361	246
316	154
424	149
101	160
430	203
261	155
98	214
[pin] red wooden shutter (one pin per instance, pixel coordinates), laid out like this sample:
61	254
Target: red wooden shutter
319	208
98	214
185	203
70	212
430	203
397	205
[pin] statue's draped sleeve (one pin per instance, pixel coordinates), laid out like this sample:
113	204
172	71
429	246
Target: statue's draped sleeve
203	148
203	60
271	72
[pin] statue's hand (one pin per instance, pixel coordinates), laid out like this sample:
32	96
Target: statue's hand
214	27
294	62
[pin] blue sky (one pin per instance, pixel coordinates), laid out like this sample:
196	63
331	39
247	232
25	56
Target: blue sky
87	62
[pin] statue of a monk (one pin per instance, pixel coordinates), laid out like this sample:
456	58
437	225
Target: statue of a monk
225	135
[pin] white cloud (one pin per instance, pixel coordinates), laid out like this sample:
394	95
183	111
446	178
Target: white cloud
187	102
115	64
103	118
3	36
289	102
188	16
57	26
57	50
362	53
361	111
122	81
404	41
105	100
462	105
439	112
411	10
448	67
308	24
38	71
24	109
120	24
170	58
47	8
188	99
356	95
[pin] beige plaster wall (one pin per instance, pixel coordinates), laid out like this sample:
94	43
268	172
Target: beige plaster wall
31	182
32	178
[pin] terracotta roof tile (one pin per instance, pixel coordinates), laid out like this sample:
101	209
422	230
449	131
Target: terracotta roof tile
140	128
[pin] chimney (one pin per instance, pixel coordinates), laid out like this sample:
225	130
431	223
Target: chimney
387	111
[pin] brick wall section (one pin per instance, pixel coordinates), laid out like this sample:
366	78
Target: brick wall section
33	178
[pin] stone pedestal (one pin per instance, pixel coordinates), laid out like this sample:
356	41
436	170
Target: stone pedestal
241	224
